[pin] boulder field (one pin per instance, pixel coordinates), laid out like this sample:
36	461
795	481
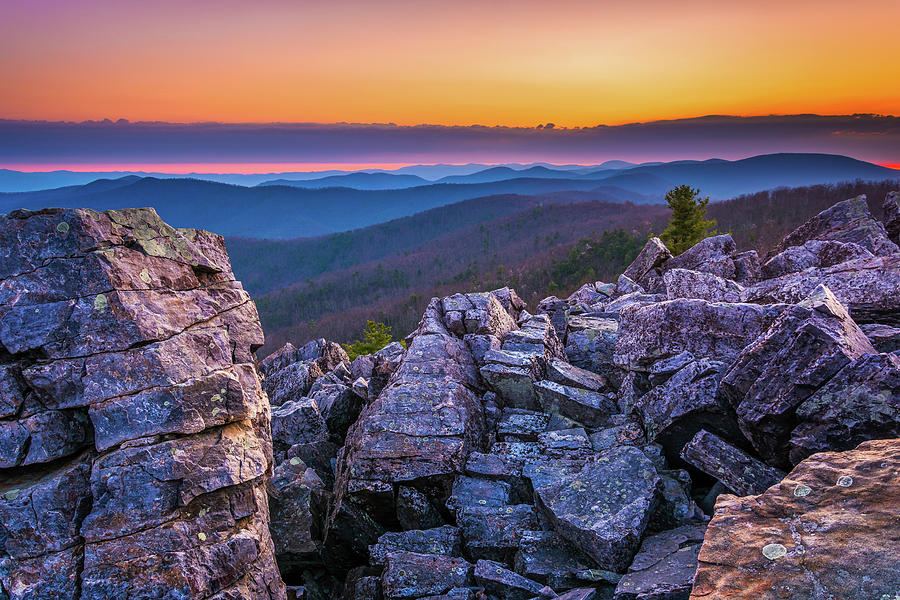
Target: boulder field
710	425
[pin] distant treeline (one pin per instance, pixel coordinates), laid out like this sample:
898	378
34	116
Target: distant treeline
541	249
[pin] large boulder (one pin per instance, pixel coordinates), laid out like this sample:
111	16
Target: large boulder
133	416
710	255
647	266
847	221
604	509
814	253
713	330
828	530
590	345
891	208
861	402
804	348
419	431
684	283
869	287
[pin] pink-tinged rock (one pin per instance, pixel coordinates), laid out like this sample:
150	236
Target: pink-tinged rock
847	221
128	343
828	530
804	348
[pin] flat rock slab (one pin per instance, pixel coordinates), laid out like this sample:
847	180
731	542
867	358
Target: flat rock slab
414	575
740	472
828	530
664	567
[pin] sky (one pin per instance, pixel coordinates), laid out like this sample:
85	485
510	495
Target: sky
575	63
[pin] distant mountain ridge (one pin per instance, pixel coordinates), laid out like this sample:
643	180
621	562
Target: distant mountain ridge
336	203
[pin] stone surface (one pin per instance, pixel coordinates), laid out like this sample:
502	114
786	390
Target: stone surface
847	221
891	208
861	402
710	255
883	337
741	473
604	509
587	407
718	331
664	567
444	541
133	413
868	287
590	345
548	558
421	428
646	267
804	348
684	283
413	575
496	579
814	253
828	530
675	410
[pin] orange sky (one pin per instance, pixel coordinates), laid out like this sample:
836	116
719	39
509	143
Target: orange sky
571	62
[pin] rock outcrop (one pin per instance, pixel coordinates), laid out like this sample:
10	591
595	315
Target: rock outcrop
135	434
828	530
497	455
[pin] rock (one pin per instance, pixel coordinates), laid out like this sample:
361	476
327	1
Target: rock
814	253
512	375
804	348
415	510
590	344
710	255
479	345
883	337
676	506
292	382
828	530
717	331
740	472
580	594
747	269
604	509
686	403
422	428
546	557
560	371
412	575
683	283
861	402
868	287
523	425
443	541
646	268
297	422
127	372
477	313
471	492
891	208
278	360
494	532
664	567
589	408
612	309
298	501
626	285
503	583
337	403
847	221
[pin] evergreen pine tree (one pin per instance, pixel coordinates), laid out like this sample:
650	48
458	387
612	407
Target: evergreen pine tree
375	337
688	224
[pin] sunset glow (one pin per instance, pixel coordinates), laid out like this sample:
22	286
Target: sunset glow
574	62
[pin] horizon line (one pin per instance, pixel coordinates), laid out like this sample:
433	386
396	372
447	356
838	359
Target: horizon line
546	126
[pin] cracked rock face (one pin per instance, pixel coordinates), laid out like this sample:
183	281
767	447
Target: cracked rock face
134	437
828	530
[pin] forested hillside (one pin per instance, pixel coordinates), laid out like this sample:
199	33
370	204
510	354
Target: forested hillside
388	272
